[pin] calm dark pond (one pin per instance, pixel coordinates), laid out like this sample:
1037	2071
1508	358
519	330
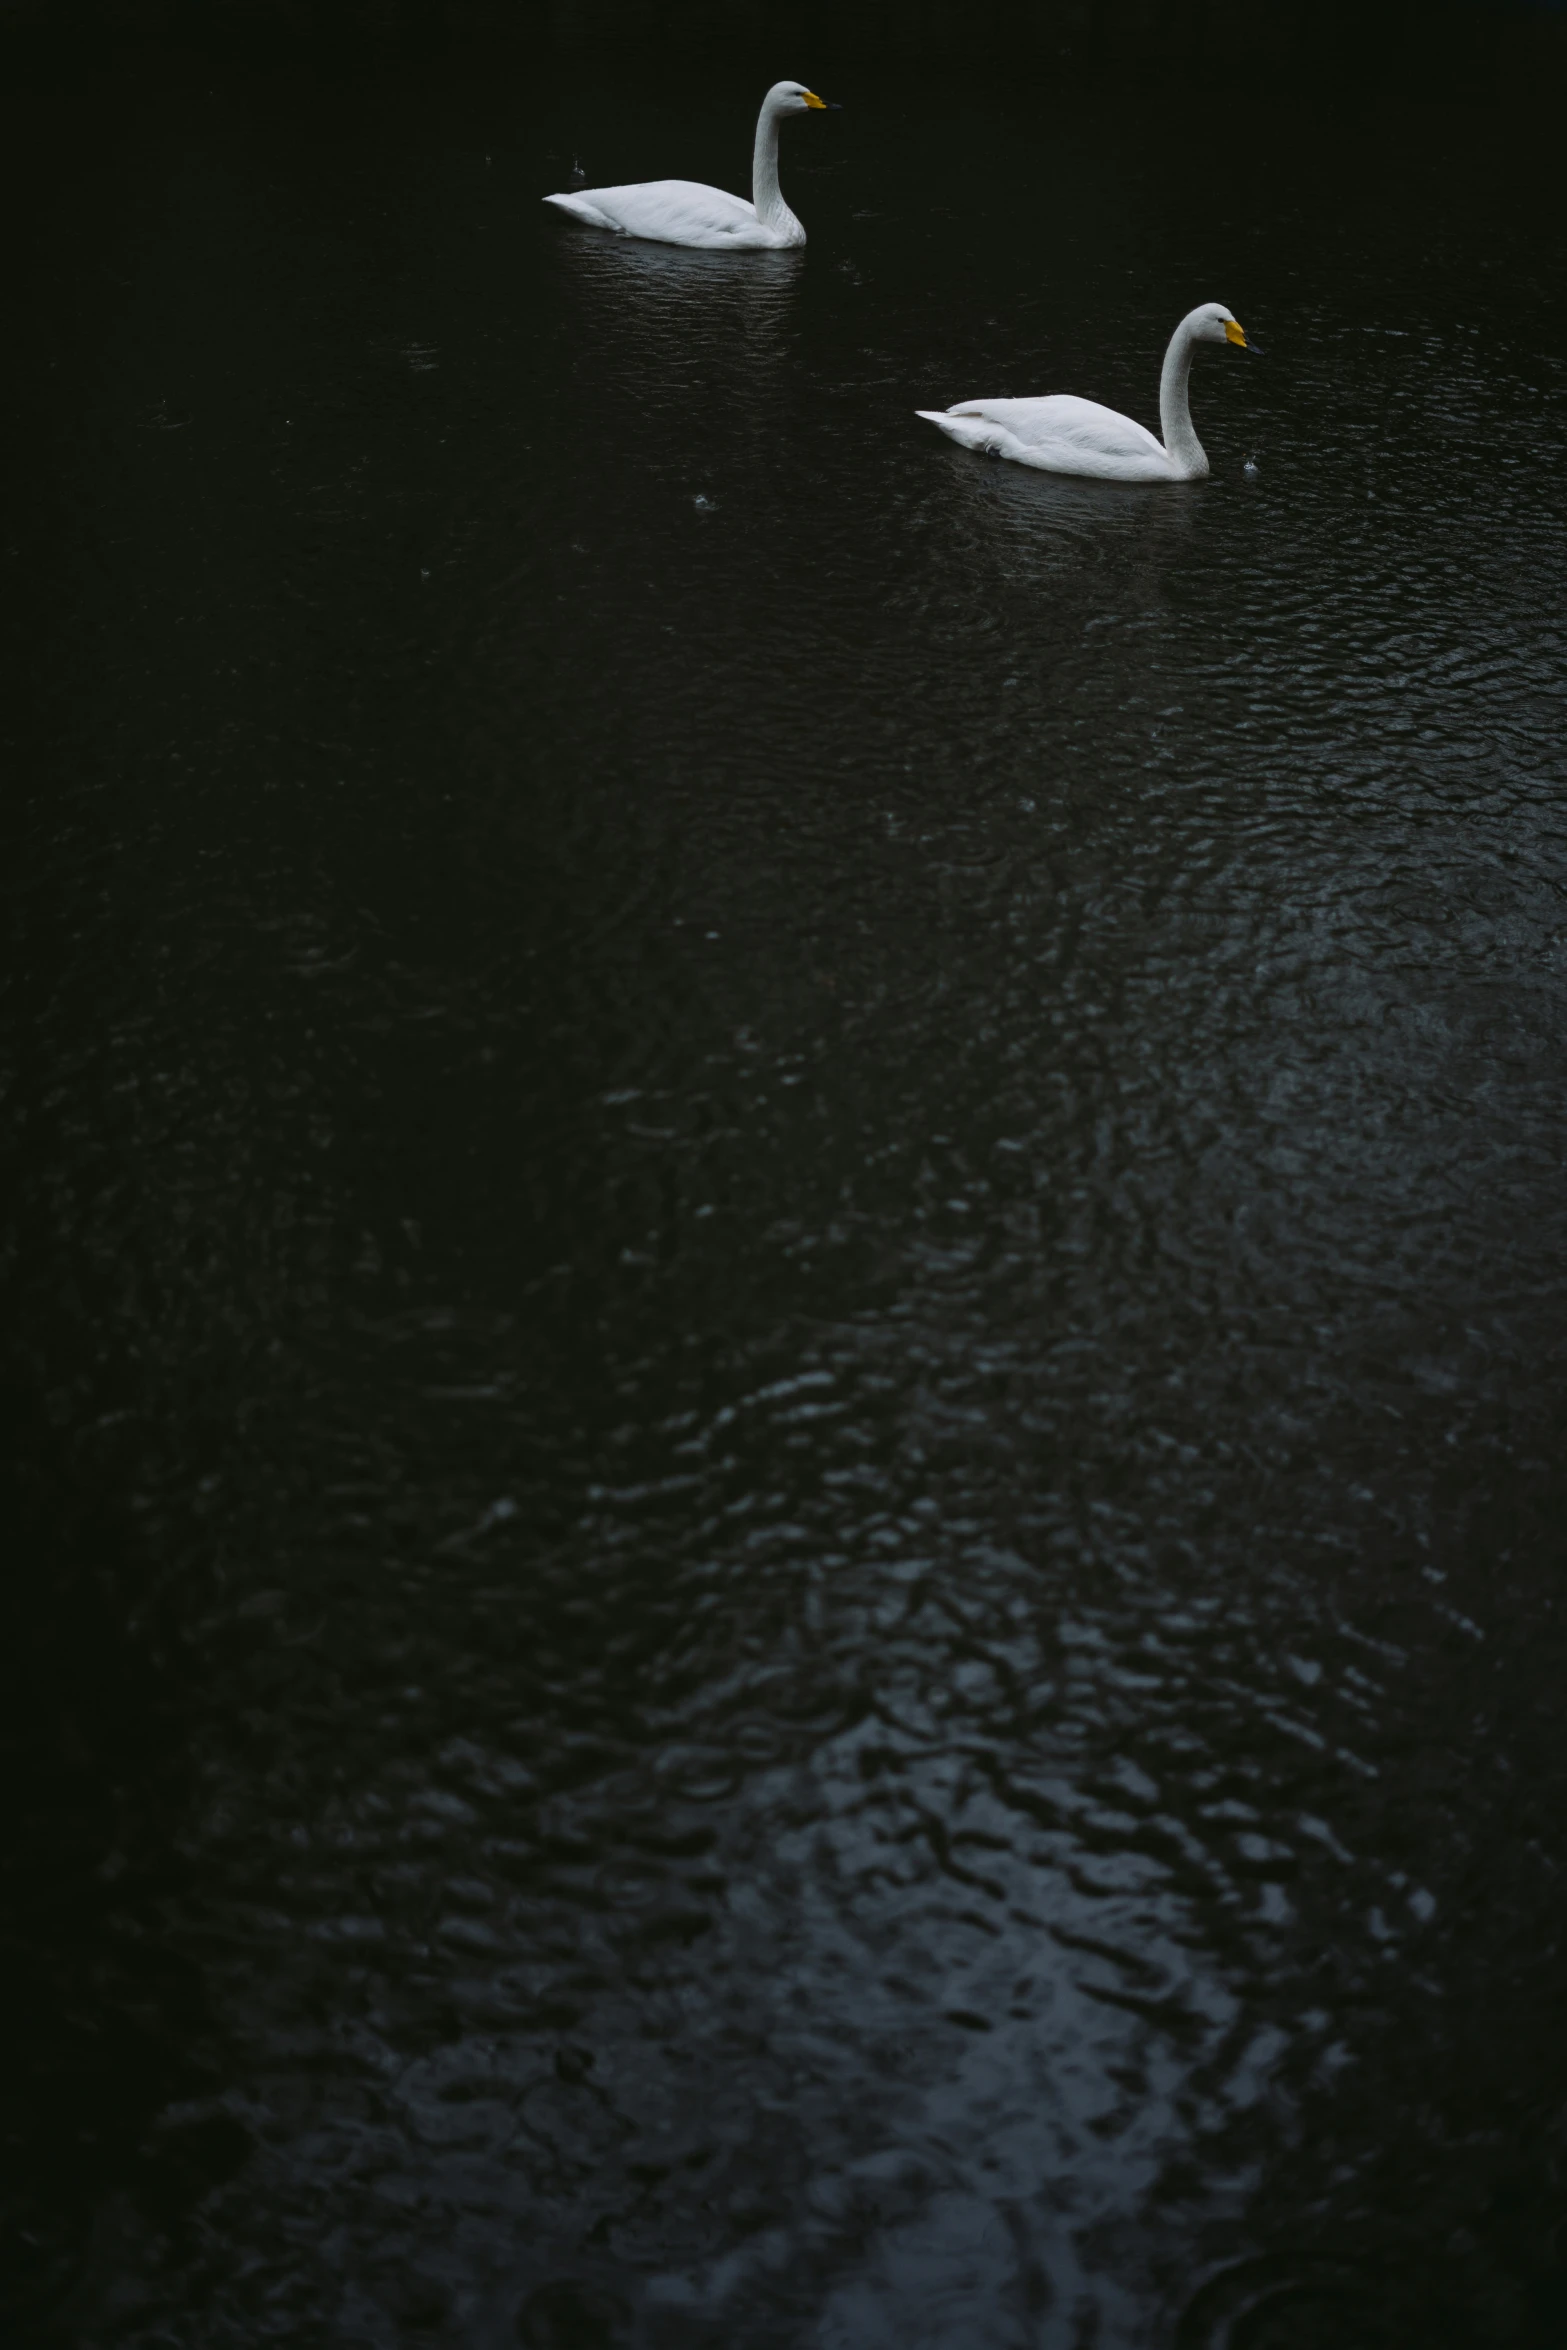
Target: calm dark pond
784	1234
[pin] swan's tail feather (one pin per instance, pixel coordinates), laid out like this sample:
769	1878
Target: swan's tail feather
583	208
970	432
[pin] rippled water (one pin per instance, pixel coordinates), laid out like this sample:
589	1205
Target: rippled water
785	1247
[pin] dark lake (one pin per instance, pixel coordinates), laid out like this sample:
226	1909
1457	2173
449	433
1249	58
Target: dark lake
784	1240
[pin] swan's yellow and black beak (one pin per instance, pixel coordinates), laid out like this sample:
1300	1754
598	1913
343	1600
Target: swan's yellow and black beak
827	105
1235	333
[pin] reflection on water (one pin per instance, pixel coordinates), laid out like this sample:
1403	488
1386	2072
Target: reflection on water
789	1212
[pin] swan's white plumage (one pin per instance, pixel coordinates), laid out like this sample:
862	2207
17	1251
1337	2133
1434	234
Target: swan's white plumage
671	212
685	212
1058	434
1062	434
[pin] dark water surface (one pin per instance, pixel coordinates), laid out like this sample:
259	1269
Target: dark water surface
784	1253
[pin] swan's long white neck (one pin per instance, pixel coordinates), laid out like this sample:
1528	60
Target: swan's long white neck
771	209
1175	416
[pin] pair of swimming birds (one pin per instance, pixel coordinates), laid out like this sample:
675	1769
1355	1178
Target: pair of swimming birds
1060	434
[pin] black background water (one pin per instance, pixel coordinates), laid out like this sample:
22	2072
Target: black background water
784	1231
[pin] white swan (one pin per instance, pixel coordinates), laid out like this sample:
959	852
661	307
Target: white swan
683	212
1062	434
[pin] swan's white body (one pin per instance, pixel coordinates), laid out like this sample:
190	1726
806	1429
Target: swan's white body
684	212
1062	434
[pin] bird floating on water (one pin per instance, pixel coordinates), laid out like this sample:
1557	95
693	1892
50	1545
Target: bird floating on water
684	212
1062	434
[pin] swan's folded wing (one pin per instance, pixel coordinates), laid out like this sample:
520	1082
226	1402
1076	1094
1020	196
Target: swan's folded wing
1066	435
671	212
1063	415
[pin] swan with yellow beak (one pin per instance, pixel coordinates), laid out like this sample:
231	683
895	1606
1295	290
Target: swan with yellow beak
684	212
1062	434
